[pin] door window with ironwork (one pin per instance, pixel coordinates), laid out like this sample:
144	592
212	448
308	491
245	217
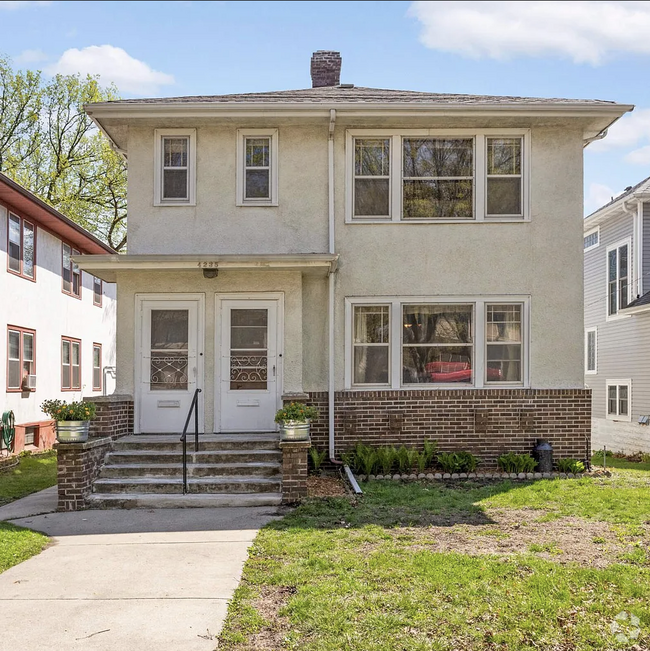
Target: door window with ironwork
248	349
169	350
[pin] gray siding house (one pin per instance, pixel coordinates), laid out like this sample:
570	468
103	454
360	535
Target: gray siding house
617	320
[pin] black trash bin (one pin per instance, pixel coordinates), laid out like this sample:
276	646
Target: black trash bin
543	453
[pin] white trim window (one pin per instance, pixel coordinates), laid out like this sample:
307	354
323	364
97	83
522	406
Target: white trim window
591	351
395	342
437	175
619	400
175	167
592	239
257	167
618	277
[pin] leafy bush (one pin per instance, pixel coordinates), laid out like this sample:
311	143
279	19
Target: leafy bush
422	462
367	460
403	459
430	449
570	465
317	458
457	461
386	459
645	457
513	462
296	411
348	459
60	410
599	454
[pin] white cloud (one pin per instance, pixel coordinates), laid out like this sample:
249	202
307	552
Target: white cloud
10	5
113	64
31	56
631	132
639	156
598	195
586	32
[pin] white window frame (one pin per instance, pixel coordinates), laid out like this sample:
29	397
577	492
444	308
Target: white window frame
587	234
159	135
395	347
617	315
594	370
618	383
242	134
480	137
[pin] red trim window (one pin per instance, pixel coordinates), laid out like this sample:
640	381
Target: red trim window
98	291
21	357
70	364
97	367
21	247
70	271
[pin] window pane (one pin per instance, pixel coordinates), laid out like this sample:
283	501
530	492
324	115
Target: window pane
67	268
257	152
75	354
169	329
503	323
14	374
175	152
97	290
437	364
14	243
14	344
96	356
168	370
371	324
28	347
440	324
438	200
249	329
371	365
76	379
611	400
66	377
591	240
175	184
504	196
257	184
438	157
65	352
591	351
14	360
28	249
504	156
371	197
504	363
622	400
372	157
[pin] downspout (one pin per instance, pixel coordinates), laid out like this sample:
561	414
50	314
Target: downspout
330	280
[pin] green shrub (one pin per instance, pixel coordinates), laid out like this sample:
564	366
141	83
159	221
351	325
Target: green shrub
512	462
348	459
367	460
414	459
645	457
430	449
403	459
386	459
599	454
316	458
297	412
422	462
570	465
60	410
457	461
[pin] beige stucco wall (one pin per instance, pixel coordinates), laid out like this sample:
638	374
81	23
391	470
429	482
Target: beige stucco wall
131	284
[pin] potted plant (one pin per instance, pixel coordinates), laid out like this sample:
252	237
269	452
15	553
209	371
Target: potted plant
294	420
72	419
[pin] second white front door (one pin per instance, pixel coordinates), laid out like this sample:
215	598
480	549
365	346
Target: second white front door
249	369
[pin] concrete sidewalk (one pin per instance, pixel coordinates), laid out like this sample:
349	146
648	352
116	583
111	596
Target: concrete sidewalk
136	580
44	501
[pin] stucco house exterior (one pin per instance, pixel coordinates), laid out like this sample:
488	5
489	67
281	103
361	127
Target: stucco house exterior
617	320
408	262
58	321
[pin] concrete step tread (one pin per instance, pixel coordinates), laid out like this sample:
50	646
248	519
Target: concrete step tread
174	500
171	453
179	466
174	481
210	438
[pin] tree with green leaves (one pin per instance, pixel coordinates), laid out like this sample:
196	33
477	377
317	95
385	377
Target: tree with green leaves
49	145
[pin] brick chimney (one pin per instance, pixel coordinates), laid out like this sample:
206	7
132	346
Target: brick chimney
325	68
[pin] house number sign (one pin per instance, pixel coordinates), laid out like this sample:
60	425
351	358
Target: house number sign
206	265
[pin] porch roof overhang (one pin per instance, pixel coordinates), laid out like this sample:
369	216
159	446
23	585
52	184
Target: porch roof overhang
107	267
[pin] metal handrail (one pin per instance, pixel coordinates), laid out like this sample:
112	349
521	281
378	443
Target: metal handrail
193	407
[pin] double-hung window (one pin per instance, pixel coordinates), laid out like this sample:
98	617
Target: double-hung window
70	271
21	247
395	343
97	367
619	396
98	291
591	351
175	167
618	277
434	175
70	364
257	167
21	357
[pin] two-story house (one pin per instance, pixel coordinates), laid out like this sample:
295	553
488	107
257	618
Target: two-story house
408	262
58	321
617	323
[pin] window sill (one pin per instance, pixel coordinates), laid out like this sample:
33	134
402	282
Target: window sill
77	296
591	372
433	387
174	204
19	275
490	220
257	204
617	317
619	419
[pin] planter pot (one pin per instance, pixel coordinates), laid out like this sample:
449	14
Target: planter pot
72	431
294	430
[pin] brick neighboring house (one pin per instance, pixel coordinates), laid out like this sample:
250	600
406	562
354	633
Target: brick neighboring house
58	322
407	261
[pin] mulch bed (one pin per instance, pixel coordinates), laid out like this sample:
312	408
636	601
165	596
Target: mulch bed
325	486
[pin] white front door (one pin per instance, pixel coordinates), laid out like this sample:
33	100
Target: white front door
249	369
170	364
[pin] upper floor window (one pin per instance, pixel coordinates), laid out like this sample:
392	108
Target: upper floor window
175	167
591	239
591	350
257	167
98	291
618	277
21	247
437	176
70	271
21	359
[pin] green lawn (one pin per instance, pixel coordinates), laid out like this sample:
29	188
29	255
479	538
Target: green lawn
508	566
34	473
18	544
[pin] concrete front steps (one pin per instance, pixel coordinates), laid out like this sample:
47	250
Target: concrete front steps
146	471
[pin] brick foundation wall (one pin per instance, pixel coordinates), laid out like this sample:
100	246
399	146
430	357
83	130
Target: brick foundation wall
114	416
294	470
78	466
486	422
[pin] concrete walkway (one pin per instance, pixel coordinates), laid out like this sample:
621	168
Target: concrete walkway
44	501
127	580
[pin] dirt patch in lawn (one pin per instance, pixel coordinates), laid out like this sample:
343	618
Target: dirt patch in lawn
565	540
325	486
268	604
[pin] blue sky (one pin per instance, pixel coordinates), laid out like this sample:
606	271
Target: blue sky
598	50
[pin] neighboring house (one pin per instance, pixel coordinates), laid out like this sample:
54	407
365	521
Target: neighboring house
617	320
58	321
410	259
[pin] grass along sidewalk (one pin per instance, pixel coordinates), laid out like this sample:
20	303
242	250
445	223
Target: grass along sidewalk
18	544
547	564
33	473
